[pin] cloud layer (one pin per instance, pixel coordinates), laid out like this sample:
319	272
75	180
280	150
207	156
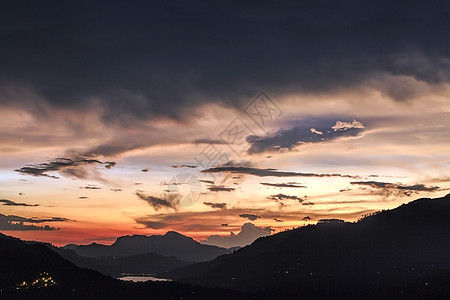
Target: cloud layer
242	47
12	222
12	203
283	185
288	139
169	200
248	234
269	172
397	188
68	167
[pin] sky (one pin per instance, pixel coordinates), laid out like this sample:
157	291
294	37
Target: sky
222	121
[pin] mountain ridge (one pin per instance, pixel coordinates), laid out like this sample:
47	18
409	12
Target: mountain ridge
380	254
170	244
30	270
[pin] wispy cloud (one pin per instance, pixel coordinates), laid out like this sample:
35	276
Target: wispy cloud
90	187
209	141
281	197
12	222
251	217
220	188
215	205
269	172
285	185
398	188
167	201
184	166
68	167
153	224
207	181
12	203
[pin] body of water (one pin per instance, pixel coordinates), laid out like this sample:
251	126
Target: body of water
142	278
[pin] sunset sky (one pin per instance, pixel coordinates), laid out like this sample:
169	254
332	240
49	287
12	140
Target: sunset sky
121	118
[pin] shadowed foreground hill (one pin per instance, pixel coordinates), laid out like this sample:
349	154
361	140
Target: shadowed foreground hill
117	266
171	244
33	271
400	253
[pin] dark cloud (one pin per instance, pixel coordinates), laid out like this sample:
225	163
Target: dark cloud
248	234
109	164
278	220
397	189
280	197
166	201
220	188
90	187
67	167
268	172
153	224
116	190
134	69
184	166
308	203
82	197
207	181
145	170
251	217
215	205
287	139
286	185
12	203
12	222
307	218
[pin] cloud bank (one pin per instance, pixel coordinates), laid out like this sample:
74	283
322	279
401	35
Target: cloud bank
12	222
397	189
248	234
171	200
12	203
141	62
68	167
288	139
269	172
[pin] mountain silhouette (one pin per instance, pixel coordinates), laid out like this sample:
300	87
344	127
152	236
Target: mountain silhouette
31	270
399	253
117	266
171	244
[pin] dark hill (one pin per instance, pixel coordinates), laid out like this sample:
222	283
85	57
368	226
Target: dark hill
148	263
30	270
171	244
402	252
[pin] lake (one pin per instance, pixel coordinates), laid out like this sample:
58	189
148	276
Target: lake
142	278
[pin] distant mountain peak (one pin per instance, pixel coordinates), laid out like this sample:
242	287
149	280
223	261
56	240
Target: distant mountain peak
170	244
174	234
385	252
